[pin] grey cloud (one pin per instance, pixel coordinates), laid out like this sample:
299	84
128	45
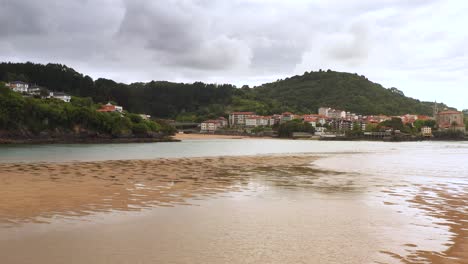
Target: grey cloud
180	34
241	41
355	48
20	18
169	25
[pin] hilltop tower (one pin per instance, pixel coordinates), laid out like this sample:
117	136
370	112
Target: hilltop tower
436	110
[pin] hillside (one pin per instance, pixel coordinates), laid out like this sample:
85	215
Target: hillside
197	101
28	118
341	90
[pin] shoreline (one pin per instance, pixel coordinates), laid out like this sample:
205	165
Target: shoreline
51	141
192	136
32	190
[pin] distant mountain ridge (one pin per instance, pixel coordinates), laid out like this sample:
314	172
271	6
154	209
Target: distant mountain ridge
190	102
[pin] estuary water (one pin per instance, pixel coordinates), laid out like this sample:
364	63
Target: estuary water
356	202
212	147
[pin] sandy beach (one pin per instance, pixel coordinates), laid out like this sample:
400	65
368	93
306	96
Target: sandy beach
192	136
33	190
35	193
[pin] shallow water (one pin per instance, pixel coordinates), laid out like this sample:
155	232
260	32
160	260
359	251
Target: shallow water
364	214
203	148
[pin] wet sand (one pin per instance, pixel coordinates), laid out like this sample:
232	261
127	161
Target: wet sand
452	210
212	136
41	193
42	190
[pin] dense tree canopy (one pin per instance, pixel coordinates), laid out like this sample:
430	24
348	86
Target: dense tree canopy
33	115
197	101
287	129
347	91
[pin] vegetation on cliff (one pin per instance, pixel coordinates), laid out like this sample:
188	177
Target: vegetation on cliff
27	116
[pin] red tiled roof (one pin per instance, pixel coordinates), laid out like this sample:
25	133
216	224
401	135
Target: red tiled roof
211	121
450	113
423	117
107	108
310	118
449	126
258	117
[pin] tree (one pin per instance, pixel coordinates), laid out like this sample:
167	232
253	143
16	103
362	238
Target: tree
31	115
356	130
288	128
395	123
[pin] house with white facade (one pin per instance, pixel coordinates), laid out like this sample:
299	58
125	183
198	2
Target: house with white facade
287	116
314	120
255	121
426	131
237	119
323	111
332	113
35	90
223	121
18	86
210	126
61	96
111	108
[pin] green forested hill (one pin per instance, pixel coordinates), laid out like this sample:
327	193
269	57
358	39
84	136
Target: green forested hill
197	101
341	90
27	116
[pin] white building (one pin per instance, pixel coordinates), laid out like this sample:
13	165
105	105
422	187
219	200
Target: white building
61	96
426	131
336	114
223	121
320	131
332	113
17	86
110	108
34	90
255	121
324	111
210	126
314	120
143	116
251	121
238	118
287	116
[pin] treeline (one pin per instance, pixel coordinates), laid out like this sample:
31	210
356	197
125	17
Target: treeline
161	99
33	116
351	92
198	101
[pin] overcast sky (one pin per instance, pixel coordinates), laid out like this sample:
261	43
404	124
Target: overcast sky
418	46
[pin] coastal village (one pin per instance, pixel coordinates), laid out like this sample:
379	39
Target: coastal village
332	123
327	123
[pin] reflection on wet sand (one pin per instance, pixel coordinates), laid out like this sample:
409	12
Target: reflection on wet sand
449	204
42	190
